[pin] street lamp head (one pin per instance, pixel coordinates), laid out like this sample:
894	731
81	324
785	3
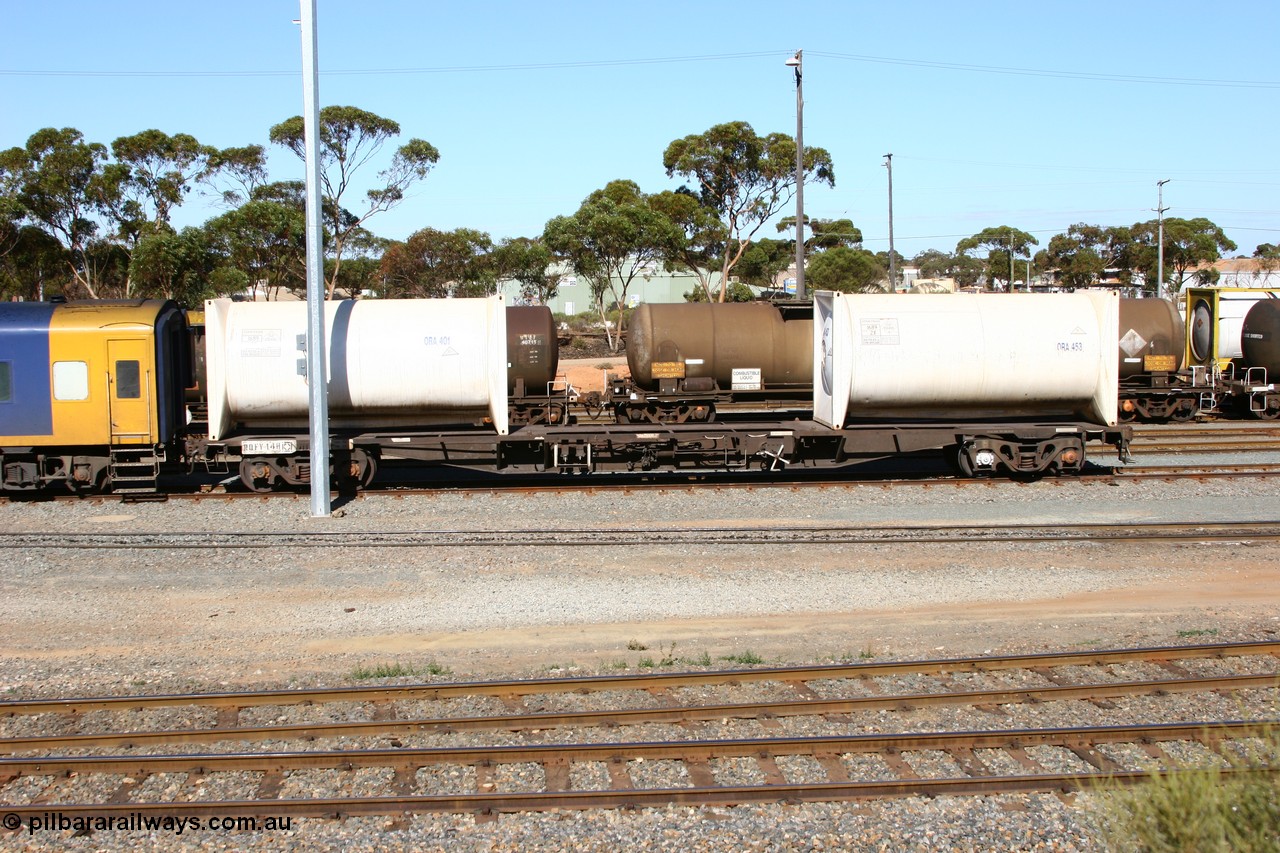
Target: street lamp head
794	62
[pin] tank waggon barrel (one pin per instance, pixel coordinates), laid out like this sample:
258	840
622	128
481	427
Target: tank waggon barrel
1152	338
743	343
533	350
1260	337
391	363
966	355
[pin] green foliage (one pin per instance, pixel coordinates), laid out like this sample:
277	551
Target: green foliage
1197	809
747	658
1004	244
934	263
763	260
161	170
437	264
173	266
1188	243
55	181
737	292
265	239
823	234
1080	256
398	670
699	245
611	240
349	139
529	262
846	270
745	178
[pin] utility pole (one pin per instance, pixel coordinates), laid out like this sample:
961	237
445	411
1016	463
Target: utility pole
797	62
1160	209
893	260
1011	288
317	361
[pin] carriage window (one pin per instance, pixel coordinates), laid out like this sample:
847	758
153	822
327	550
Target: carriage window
6	381
70	380
128	386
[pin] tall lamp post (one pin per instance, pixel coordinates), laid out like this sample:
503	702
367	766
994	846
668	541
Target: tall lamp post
317	367
1160	209
797	62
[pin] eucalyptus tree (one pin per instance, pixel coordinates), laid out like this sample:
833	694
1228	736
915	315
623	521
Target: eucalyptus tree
616	235
1003	244
54	182
174	265
532	263
699	245
152	174
261	242
1188	244
350	139
847	270
437	264
747	179
763	260
1081	256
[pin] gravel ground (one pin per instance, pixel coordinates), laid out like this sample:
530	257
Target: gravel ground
93	622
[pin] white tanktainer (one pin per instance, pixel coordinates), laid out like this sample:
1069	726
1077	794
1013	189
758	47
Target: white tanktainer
929	356
391	363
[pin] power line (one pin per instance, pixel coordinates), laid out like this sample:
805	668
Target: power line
445	69
662	60
1041	72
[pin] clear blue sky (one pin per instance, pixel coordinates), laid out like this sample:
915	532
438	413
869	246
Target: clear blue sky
1034	115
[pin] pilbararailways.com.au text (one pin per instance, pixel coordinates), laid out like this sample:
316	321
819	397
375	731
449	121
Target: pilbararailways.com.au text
139	822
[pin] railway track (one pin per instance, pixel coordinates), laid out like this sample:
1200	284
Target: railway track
858	534
391	762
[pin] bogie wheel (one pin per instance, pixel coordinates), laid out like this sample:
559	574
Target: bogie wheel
1270	413
257	475
958	459
1182	414
364	467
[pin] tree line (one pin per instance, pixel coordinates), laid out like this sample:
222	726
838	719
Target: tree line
83	220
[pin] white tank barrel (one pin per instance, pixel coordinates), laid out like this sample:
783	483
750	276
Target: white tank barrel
944	356
392	363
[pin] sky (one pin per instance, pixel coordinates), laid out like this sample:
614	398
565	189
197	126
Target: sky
1031	115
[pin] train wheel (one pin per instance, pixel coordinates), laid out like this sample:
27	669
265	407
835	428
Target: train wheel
365	468
958	459
1270	413
257	475
1182	414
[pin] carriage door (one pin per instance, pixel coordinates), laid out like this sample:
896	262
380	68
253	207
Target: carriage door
129	375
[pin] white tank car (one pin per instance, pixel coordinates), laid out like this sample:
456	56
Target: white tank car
979	355
392	363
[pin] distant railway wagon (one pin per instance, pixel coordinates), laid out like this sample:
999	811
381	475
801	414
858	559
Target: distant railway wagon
91	393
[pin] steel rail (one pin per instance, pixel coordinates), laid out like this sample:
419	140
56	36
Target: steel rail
704	791
650	681
812	706
679	750
659	535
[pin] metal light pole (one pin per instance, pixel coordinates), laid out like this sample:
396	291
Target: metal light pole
1160	209
893	261
317	363
797	62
